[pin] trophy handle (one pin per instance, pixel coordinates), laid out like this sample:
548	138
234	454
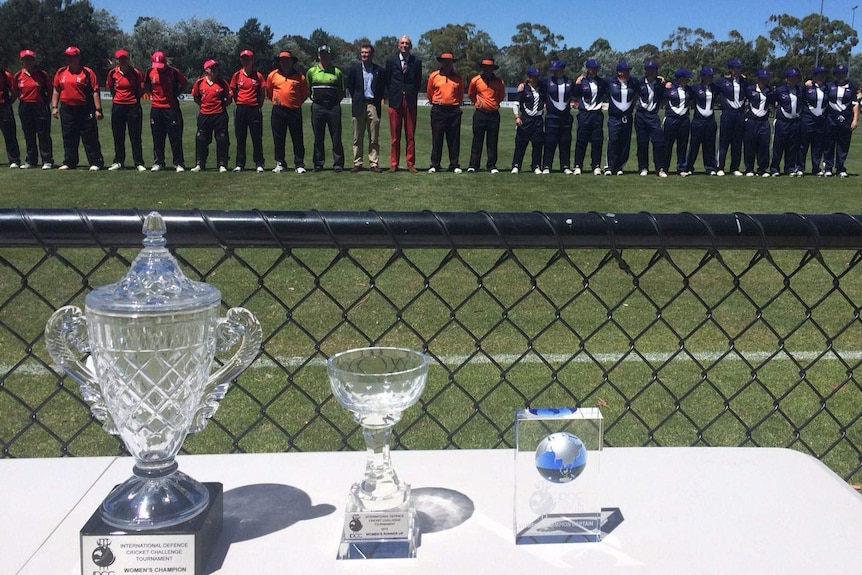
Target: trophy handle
238	323
67	330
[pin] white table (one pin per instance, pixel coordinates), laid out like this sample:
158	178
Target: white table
693	511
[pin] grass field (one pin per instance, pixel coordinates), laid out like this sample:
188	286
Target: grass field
677	350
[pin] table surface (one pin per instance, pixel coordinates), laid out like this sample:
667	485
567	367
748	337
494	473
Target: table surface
685	510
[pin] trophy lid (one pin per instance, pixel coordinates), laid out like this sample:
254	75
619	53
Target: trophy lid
154	282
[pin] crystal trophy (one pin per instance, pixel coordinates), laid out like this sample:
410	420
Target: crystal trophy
377	384
152	339
558	475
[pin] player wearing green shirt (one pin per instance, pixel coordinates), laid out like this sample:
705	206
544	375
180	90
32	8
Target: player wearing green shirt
326	84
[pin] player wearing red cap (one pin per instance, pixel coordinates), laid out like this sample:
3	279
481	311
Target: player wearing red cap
34	94
8	93
126	84
212	94
248	88
164	84
77	103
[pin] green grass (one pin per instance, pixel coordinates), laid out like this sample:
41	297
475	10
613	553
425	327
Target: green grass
592	333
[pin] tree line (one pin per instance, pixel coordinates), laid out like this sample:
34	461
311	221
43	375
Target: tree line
49	26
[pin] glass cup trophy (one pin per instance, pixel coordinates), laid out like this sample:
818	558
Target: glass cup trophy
152	338
558	475
377	384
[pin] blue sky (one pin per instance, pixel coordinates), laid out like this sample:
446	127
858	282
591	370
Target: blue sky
644	21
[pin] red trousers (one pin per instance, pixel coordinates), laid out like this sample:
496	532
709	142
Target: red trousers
398	116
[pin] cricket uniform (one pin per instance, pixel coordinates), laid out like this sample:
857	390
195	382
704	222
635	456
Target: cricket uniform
166	119
445	93
703	128
591	119
557	95
213	99
287	94
486	93
78	115
731	92
677	124
327	90
248	92
813	132
7	116
34	96
785	142
530	105
621	108
757	132
126	89
648	126
842	99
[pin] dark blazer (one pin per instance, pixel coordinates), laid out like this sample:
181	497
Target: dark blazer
356	87
403	86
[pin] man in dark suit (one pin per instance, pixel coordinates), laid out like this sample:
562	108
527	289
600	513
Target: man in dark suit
403	80
365	84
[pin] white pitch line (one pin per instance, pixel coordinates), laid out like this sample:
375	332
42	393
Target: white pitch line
552	358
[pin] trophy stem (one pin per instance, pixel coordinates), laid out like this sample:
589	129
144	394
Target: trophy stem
380	489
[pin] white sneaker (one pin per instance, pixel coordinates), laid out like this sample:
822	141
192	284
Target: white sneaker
180	169
47	166
821	173
843	175
114	167
619	172
719	173
222	169
546	171
236	170
576	172
25	166
644	172
495	171
766	175
827	174
712	173
737	173
457	171
196	169
749	174
608	172
799	173
259	169
791	174
567	171
515	170
278	169
14	165
662	174
471	170
432	170
684	174
94	168
300	170
156	168
538	171
597	172
64	167
140	168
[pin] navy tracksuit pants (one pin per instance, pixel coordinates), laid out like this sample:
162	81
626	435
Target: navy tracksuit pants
619	141
558	134
648	129
702	136
756	145
676	131
731	137
530	132
786	143
590	131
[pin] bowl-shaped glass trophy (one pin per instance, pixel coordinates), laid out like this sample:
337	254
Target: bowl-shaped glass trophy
152	338
377	384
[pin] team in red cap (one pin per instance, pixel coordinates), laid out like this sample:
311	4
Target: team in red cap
126	84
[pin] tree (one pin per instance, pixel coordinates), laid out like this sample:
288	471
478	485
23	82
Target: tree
687	48
803	43
194	41
533	45
467	43
258	39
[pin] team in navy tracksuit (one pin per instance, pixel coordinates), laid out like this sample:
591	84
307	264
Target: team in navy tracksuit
678	99
591	91
813	133
557	92
528	118
842	118
788	103
622	93
732	98
757	132
703	126
647	122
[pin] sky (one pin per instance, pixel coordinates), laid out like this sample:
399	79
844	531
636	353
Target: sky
645	22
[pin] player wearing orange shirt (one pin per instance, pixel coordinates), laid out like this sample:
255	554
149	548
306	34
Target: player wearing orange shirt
212	94
77	103
126	84
34	94
249	89
487	92
288	89
445	92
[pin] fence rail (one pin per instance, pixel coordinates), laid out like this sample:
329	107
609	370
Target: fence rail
686	329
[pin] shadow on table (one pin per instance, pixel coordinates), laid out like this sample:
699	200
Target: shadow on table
252	511
439	509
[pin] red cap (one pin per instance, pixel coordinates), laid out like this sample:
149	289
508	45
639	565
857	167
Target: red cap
25	53
210	63
72	51
248	53
121	54
159	60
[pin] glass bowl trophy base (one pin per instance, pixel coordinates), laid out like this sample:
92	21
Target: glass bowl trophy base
181	548
387	534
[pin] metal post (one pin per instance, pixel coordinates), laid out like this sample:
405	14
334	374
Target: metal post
819	35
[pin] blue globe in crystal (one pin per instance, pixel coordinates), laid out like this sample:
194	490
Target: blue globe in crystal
561	457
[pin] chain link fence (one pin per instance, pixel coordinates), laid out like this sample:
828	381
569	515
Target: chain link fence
724	329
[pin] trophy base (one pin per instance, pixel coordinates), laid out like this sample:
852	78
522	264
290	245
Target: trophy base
390	534
562	528
182	548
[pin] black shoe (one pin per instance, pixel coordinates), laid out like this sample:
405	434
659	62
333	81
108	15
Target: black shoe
318	169
338	169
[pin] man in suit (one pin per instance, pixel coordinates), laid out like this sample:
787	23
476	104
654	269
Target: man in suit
403	80
365	84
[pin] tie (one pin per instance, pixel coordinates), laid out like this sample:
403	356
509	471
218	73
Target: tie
404	64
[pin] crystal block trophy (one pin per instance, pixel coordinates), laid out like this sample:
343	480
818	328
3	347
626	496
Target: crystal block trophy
377	384
557	475
152	338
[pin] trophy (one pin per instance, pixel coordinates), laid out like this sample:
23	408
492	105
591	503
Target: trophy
152	338
376	384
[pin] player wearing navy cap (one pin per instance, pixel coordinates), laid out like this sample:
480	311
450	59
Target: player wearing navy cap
557	92
785	142
842	119
591	91
77	104
212	94
679	98
703	125
756	142
813	133
648	123
732	88
528	119
8	93
126	84
622	93
34	94
164	84
248	88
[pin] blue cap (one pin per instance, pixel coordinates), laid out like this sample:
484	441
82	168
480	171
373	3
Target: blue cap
557	65
623	65
533	71
818	70
707	71
592	63
790	72
734	63
842	69
763	73
682	73
651	64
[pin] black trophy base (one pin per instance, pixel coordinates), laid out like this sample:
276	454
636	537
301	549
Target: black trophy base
183	548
